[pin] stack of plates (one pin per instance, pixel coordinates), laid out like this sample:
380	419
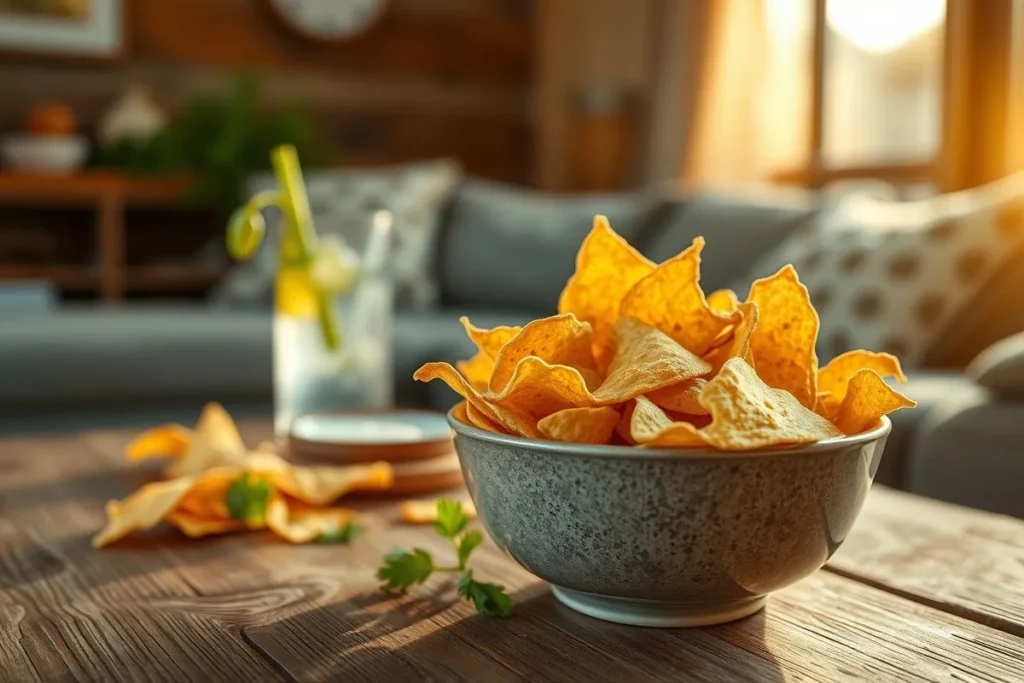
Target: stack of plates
418	444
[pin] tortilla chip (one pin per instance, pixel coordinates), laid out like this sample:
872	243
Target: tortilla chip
580	425
539	389
215	442
606	268
650	426
723	301
622	431
142	510
681	398
747	414
782	343
738	344
425	511
478	419
195	526
646	359
489	342
477	370
834	377
670	299
867	399
318	485
301	524
558	340
160	442
509	422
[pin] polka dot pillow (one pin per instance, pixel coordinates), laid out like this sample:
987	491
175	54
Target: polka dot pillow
892	276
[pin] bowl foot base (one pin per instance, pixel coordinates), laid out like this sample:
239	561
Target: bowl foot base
657	614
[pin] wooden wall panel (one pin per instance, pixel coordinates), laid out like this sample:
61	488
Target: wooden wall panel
484	42
432	78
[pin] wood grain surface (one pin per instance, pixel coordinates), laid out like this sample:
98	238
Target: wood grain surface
920	592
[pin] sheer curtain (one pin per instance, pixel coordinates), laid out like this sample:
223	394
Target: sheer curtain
750	110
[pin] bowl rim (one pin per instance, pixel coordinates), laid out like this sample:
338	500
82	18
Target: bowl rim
633	453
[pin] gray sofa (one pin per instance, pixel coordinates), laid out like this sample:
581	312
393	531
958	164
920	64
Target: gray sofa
503	256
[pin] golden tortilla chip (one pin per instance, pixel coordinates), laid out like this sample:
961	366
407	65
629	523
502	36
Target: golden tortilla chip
646	359
318	485
867	399
748	414
580	425
477	370
489	342
478	419
782	343
198	504
558	340
298	523
834	377
650	426
538	389
160	442
425	511
622	431
195	526
738	344
508	421
142	510
681	398
606	268
670	299
723	301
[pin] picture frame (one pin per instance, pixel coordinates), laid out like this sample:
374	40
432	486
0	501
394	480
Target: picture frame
73	29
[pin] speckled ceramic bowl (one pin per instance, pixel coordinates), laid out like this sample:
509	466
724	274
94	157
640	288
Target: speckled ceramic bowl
667	537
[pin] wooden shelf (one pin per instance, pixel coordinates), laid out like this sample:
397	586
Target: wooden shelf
69	277
169	277
108	193
87	188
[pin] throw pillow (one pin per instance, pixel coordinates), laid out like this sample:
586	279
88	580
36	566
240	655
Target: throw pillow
343	203
893	276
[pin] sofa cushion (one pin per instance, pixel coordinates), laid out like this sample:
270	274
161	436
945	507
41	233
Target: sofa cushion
929	389
894	276
503	247
1000	367
969	451
72	358
738	227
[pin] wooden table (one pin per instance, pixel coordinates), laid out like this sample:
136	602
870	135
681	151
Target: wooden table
921	591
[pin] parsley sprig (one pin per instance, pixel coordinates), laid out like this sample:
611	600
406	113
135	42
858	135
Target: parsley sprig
404	568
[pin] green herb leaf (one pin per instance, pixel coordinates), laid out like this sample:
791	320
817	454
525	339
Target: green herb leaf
467	544
451	520
247	499
488	598
402	569
345	534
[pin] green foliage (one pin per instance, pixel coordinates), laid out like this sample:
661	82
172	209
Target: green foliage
344	535
402	569
488	598
247	499
451	520
222	139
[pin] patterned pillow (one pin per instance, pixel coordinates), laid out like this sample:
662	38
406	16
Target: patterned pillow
893	276
342	203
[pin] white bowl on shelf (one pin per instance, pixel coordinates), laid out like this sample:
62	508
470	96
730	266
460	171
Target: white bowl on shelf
43	154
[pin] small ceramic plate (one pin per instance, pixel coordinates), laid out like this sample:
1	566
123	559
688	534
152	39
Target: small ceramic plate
392	435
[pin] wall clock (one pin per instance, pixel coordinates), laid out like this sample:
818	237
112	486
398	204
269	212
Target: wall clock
328	20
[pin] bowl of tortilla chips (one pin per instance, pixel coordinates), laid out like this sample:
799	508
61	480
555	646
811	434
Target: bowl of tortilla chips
664	457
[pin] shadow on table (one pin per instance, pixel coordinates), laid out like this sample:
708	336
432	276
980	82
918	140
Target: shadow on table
375	637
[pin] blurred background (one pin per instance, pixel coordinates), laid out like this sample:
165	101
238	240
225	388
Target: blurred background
492	131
